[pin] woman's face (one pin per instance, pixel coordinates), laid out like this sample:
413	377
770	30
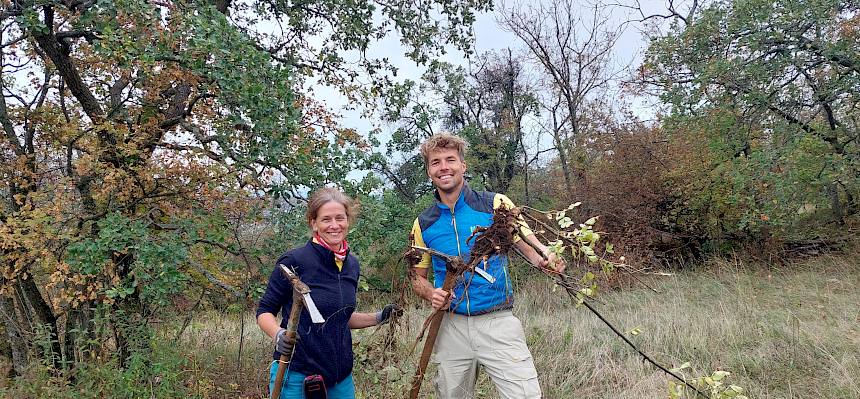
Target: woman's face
332	223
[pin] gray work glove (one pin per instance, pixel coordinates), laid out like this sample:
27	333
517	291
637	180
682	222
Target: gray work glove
285	341
392	309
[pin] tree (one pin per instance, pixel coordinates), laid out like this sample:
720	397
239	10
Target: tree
137	134
414	120
771	87
485	103
344	31
576	64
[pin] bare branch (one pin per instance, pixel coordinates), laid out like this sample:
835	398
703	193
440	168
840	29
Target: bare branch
54	50
217	282
176	114
29	126
8	128
76	34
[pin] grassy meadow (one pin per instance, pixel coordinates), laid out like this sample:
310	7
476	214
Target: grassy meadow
783	332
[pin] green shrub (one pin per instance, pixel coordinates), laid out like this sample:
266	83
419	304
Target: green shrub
157	373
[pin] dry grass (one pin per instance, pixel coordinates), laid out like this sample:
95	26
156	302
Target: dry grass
782	333
792	333
217	367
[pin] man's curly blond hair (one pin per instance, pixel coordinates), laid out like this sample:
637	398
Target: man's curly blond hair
441	141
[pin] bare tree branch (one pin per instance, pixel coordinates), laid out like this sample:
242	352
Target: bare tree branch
66	68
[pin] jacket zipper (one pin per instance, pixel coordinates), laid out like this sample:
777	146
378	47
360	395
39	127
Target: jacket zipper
460	254
456	234
340	291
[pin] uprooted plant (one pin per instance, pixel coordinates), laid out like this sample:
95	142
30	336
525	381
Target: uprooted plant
496	239
578	241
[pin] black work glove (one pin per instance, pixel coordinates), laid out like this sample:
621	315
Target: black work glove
285	341
392	309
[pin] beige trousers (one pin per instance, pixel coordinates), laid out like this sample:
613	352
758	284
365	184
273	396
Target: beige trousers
495	341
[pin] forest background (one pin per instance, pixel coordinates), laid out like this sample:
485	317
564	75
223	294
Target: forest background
156	157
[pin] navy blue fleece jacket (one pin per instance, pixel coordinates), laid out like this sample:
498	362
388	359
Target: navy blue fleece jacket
326	348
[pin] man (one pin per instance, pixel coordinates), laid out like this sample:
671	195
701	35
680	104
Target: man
479	329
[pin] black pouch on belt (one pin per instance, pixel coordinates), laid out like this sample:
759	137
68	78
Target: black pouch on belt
314	387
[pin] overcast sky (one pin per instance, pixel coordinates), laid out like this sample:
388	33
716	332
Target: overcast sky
489	36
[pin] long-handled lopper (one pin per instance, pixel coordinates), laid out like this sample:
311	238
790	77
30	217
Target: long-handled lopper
301	298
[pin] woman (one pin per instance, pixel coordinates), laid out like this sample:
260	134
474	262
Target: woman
331	272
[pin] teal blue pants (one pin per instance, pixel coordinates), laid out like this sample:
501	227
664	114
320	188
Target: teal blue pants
292	387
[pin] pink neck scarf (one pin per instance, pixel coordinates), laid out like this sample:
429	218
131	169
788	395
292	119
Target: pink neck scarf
340	255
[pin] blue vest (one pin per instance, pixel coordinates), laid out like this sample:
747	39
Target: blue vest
446	231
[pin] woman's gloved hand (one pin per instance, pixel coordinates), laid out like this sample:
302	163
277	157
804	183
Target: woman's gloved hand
392	309
285	341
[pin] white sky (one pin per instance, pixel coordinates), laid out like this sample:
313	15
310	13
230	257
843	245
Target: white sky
488	37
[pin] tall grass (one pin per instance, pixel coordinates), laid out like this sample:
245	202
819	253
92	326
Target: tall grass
783	332
213	341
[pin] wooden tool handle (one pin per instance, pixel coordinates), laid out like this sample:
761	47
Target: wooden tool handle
292	327
435	322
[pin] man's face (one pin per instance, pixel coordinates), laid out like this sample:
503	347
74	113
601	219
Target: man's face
446	170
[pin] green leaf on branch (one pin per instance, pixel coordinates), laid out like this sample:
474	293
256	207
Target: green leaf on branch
719	375
683	366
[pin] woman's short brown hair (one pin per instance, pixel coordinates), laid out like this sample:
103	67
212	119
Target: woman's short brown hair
325	195
443	141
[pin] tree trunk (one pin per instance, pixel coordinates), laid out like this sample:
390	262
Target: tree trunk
17	344
79	334
850	202
528	200
565	167
38	312
835	203
129	328
129	321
